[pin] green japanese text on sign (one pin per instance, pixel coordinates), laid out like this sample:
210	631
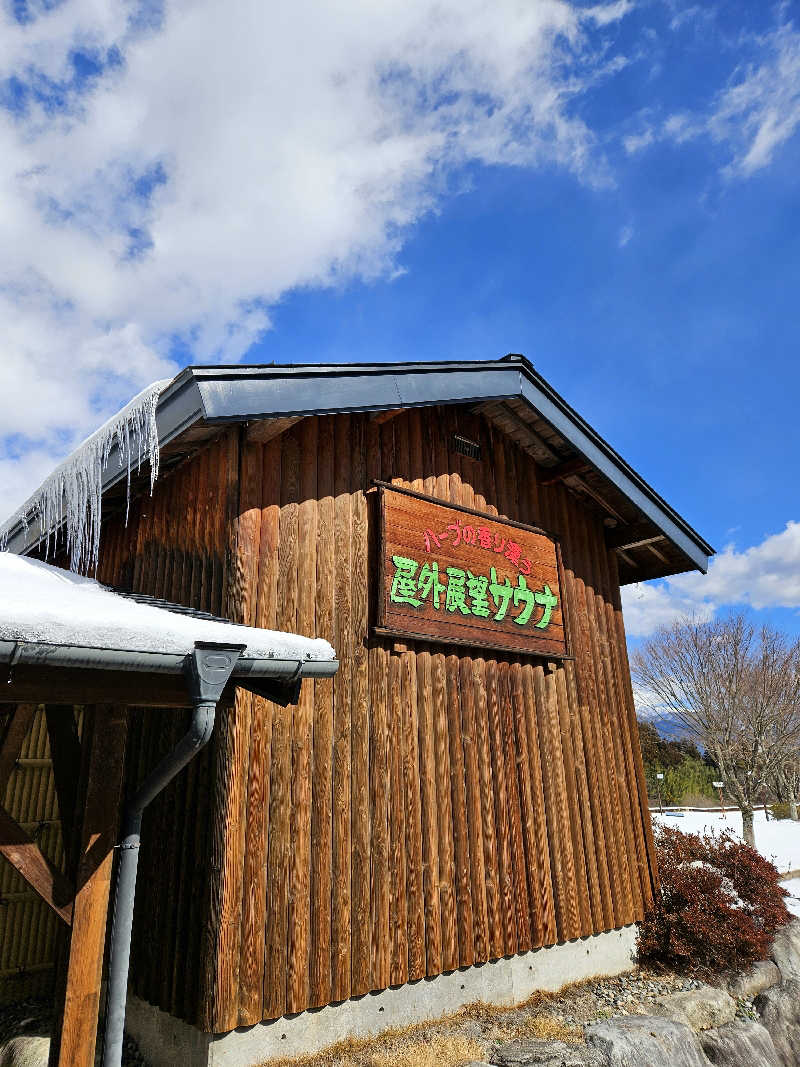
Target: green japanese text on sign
457	576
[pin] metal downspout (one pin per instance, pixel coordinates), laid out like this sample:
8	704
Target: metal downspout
208	670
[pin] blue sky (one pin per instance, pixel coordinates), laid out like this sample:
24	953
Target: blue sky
610	189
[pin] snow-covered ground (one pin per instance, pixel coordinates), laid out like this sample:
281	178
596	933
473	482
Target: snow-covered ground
778	841
793	902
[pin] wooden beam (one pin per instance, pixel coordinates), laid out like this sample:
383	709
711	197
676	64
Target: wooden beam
15	733
628	559
654	551
29	861
379	417
598	498
258	433
576	465
65	752
627	536
514	426
84	686
75	1029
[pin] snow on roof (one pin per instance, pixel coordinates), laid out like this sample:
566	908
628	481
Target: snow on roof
73	493
44	604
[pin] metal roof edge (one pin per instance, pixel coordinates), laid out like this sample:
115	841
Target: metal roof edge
221	403
235	393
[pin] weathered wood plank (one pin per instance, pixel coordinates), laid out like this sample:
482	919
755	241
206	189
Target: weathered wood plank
501	805
587	703
472	781
75	1032
536	868
341	937
17	727
321	810
251	964
276	962
519	875
360	726
300	865
496	944
28	860
378	766
243	507
429	825
398	913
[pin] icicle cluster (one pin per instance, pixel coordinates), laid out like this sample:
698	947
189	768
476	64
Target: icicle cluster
72	495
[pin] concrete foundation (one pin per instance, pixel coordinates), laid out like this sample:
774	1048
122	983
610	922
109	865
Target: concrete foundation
166	1041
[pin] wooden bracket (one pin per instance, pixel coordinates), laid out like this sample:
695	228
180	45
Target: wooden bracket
30	862
577	465
264	430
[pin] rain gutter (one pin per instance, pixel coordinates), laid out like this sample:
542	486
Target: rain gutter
248	669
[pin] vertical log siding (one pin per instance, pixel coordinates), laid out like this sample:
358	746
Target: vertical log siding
429	808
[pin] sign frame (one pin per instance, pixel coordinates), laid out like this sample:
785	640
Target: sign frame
382	628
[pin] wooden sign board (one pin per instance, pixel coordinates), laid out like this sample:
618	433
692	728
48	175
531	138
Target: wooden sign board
456	576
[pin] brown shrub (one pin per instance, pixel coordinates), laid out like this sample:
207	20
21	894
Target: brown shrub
719	907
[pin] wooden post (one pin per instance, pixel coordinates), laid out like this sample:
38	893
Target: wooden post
75	1028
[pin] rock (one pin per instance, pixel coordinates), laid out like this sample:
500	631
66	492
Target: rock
748	984
740	1045
698	1008
644	1041
535	1052
779	1008
786	951
28	1051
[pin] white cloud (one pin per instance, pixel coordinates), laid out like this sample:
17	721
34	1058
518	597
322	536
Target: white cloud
603	14
761	109
635	142
649	605
763	576
227	153
625	235
757	112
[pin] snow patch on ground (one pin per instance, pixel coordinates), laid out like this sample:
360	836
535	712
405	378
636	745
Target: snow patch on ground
40	603
778	841
793	901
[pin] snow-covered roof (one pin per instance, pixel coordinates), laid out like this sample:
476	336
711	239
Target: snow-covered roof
48	605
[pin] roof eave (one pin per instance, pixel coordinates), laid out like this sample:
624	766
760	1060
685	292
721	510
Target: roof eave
221	394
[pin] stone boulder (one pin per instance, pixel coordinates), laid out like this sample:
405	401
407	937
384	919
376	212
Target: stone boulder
740	1044
31	1050
779	1008
645	1041
701	1009
786	951
536	1052
748	984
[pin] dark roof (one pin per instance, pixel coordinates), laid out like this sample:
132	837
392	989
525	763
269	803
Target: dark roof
651	538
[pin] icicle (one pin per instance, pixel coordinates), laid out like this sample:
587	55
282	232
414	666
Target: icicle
72	495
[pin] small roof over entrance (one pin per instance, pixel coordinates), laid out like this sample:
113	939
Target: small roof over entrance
54	623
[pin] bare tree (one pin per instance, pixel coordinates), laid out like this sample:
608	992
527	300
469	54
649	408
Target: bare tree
735	690
786	783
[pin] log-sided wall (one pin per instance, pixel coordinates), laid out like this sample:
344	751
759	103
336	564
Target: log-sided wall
427	809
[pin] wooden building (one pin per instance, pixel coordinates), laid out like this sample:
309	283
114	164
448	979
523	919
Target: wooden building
469	787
